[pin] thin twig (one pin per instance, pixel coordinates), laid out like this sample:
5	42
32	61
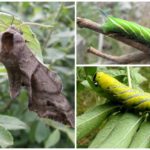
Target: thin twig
86	23
124	59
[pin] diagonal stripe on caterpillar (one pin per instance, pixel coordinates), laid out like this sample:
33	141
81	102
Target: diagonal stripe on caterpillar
124	94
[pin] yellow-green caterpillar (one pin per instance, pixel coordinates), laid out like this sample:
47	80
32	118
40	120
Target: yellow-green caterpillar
126	28
124	94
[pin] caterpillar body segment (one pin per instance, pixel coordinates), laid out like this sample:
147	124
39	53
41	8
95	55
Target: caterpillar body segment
127	96
127	28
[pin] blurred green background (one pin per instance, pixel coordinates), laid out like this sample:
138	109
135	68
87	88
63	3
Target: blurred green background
91	10
57	46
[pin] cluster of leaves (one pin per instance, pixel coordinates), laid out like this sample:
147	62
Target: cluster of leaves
9	123
57	45
104	124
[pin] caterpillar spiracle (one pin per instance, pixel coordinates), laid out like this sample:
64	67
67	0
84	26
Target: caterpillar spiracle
128	29
133	98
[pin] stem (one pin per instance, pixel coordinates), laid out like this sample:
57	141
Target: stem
129	77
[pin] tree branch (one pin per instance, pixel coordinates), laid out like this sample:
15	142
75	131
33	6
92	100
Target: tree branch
86	23
124	59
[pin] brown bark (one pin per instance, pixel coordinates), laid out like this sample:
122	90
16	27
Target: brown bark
43	86
124	59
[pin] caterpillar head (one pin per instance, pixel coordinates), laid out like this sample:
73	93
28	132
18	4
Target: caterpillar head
97	78
94	80
103	80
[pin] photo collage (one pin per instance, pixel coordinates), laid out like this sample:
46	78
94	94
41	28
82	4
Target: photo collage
74	74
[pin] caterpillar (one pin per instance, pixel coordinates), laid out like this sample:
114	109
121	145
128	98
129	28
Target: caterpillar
128	29
127	96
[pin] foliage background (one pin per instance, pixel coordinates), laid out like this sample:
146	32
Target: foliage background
58	52
126	10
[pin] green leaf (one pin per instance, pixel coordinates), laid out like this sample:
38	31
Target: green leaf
142	137
30	116
53	139
136	77
123	133
55	54
41	132
106	130
90	70
92	119
33	43
12	123
6	138
86	84
80	87
59	126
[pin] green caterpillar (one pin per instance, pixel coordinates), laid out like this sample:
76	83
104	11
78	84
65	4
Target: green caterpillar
126	28
124	94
